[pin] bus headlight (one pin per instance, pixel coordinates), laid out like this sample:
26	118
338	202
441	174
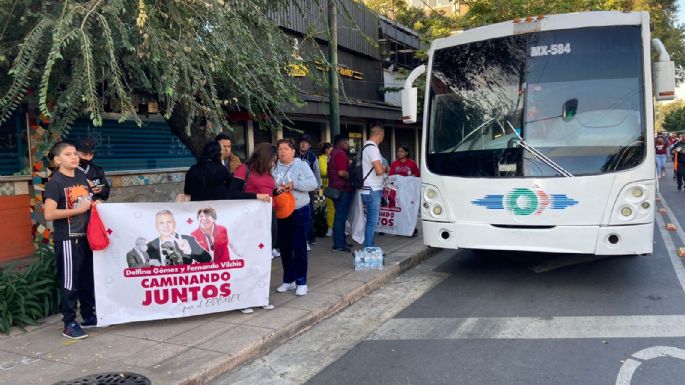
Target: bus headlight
432	206
431	194
437	210
634	204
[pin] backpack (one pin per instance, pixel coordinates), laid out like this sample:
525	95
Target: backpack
356	170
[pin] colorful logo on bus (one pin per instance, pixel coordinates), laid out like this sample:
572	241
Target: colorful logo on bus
525	201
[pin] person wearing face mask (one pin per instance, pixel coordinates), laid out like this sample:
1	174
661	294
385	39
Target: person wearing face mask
138	256
85	148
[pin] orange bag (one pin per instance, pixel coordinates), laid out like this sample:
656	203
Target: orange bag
96	233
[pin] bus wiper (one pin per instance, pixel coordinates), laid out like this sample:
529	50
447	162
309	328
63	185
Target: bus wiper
539	155
452	149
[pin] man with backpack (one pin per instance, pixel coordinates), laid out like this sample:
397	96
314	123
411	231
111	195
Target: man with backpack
372	182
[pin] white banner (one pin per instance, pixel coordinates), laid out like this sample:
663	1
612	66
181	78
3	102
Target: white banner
169	260
400	205
399	208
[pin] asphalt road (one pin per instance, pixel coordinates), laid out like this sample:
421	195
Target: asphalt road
473	317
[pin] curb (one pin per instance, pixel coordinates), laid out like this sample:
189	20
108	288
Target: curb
219	366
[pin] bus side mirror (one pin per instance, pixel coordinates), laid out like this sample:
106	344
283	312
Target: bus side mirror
569	110
409	105
663	73
664	80
410	95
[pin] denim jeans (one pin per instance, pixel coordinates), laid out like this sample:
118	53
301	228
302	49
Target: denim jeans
292	237
342	207
661	164
372	202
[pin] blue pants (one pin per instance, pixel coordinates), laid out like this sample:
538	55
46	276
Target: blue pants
660	164
342	207
292	237
372	202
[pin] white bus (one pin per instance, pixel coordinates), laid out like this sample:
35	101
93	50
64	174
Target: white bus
538	134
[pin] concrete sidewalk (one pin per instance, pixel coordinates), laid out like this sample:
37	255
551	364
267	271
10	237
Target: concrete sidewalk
197	349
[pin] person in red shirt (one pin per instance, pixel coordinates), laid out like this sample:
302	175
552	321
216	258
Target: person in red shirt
403	165
211	236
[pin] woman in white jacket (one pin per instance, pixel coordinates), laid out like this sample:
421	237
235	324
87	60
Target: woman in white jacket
292	174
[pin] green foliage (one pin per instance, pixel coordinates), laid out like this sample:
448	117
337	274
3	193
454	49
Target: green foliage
674	121
209	56
29	294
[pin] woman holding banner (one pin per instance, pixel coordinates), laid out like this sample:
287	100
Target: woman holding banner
293	176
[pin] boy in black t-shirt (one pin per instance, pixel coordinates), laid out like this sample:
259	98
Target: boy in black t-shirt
68	199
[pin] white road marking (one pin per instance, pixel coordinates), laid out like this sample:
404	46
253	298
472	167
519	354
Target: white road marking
644	326
670	247
625	374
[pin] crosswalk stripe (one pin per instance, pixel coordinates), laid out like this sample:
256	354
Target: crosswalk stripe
643	326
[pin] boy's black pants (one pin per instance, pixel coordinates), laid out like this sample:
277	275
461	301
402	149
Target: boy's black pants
74	261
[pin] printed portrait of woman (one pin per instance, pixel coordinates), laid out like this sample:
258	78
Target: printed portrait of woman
211	236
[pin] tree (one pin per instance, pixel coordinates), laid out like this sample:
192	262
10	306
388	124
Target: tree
674	121
198	59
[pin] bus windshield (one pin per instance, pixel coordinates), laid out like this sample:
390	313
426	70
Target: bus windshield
556	103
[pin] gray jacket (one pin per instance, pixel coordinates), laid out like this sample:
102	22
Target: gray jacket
302	177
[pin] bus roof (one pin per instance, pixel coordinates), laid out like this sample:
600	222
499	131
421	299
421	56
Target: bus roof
544	23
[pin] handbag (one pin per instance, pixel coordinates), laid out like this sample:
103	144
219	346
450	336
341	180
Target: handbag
96	232
332	193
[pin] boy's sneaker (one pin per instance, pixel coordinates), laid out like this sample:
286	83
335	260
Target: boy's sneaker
286	286
74	331
341	250
329	233
89	322
301	290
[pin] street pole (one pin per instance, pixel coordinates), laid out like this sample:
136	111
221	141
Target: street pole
333	100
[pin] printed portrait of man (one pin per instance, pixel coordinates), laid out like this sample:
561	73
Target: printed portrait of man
138	256
211	236
171	248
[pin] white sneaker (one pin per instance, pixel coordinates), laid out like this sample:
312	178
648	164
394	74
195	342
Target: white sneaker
247	310
308	247
286	286
268	307
301	290
329	233
275	253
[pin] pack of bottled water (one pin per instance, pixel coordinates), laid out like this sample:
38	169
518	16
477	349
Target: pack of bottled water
370	258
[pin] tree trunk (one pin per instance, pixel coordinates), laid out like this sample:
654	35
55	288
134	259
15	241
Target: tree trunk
200	134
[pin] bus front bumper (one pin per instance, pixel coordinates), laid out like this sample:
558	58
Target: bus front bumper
600	240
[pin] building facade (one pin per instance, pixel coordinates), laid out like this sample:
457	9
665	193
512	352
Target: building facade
148	163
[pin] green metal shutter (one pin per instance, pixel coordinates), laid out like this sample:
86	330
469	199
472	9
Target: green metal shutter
129	147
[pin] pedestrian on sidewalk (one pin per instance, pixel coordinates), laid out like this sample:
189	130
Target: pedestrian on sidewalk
253	180
661	156
338	178
404	165
679	162
372	190
208	179
68	199
326	149
228	159
306	154
293	175
97	180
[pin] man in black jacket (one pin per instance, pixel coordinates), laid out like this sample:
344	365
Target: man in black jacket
95	174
